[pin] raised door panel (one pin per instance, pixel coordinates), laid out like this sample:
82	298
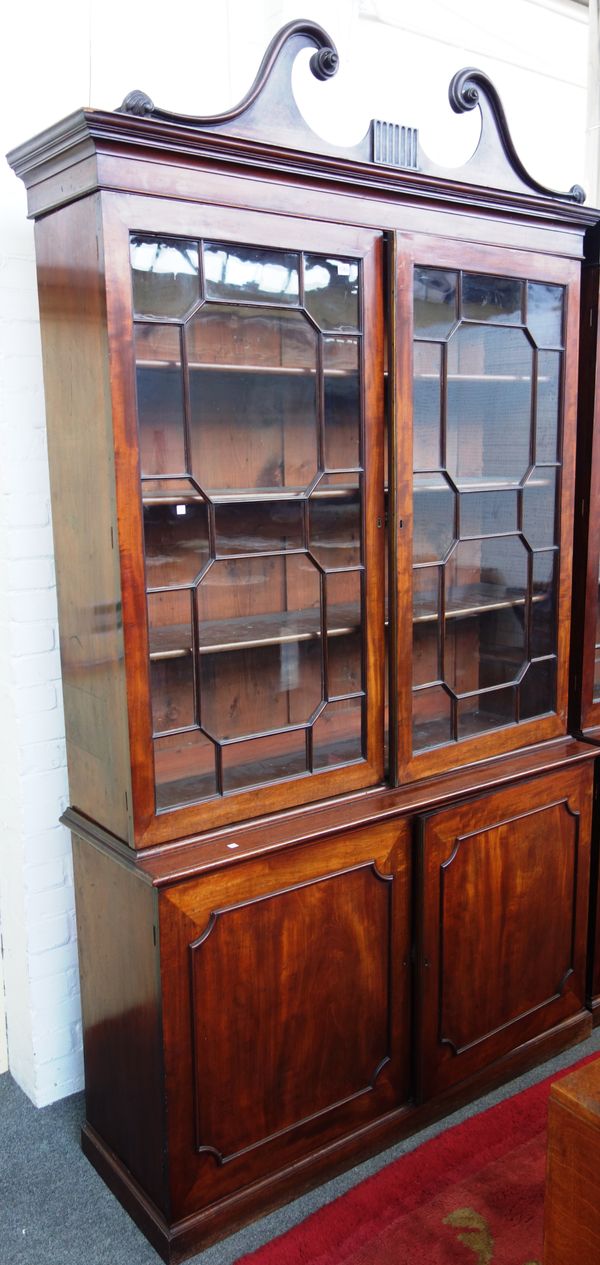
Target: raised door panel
504	892
285	988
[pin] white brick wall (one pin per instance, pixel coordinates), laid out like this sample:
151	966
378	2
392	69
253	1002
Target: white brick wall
392	68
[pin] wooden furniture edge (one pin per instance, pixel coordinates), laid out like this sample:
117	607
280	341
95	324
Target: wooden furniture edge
177	1241
199	853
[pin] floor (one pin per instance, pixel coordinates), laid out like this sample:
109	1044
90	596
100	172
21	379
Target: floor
55	1210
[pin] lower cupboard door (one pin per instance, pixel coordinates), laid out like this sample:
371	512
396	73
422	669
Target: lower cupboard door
503	888
286	1005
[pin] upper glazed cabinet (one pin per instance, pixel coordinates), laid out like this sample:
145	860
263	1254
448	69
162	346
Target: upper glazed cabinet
324	434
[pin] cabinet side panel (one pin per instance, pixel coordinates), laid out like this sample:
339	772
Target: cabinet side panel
120	996
80	444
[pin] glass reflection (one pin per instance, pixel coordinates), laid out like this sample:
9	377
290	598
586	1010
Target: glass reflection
251	274
165	275
486	298
175	542
489	404
548	401
427	398
159	381
435	302
331	292
433	518
545	313
341	403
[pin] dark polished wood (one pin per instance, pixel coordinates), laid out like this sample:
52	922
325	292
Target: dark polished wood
493	968
290	960
117	925
80	448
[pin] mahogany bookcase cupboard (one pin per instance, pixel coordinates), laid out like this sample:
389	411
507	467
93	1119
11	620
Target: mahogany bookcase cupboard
312	430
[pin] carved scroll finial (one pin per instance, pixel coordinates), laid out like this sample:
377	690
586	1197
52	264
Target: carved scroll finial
324	63
470	87
138	103
268	111
268	114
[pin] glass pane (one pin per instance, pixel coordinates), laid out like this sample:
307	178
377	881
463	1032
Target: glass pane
171	661
486	575
485	626
485	711
344	637
170	623
251	274
342	403
435	302
261	760
253	690
337	733
488	513
331	292
487	298
426	667
165	275
253	396
539	508
260	641
432	718
426	582
172	690
169	492
335	530
427	396
176	542
250	527
160	399
548	400
184	766
489	405
543	613
544	313
538	689
433	525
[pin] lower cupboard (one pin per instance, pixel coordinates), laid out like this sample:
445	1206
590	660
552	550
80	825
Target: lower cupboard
251	1029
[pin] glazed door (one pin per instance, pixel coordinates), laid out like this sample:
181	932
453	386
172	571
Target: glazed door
286	1007
254	618
503	890
484	534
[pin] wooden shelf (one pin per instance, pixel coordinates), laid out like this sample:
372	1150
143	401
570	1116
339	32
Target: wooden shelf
222	496
475	599
174	642
482	484
268	370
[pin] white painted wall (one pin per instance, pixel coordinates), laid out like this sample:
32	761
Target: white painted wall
396	61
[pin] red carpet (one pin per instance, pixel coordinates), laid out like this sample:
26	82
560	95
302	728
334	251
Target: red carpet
471	1196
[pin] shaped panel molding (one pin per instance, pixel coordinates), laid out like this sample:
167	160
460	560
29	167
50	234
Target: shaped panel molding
501	956
291	1044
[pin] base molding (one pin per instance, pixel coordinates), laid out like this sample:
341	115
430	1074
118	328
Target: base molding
178	1240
